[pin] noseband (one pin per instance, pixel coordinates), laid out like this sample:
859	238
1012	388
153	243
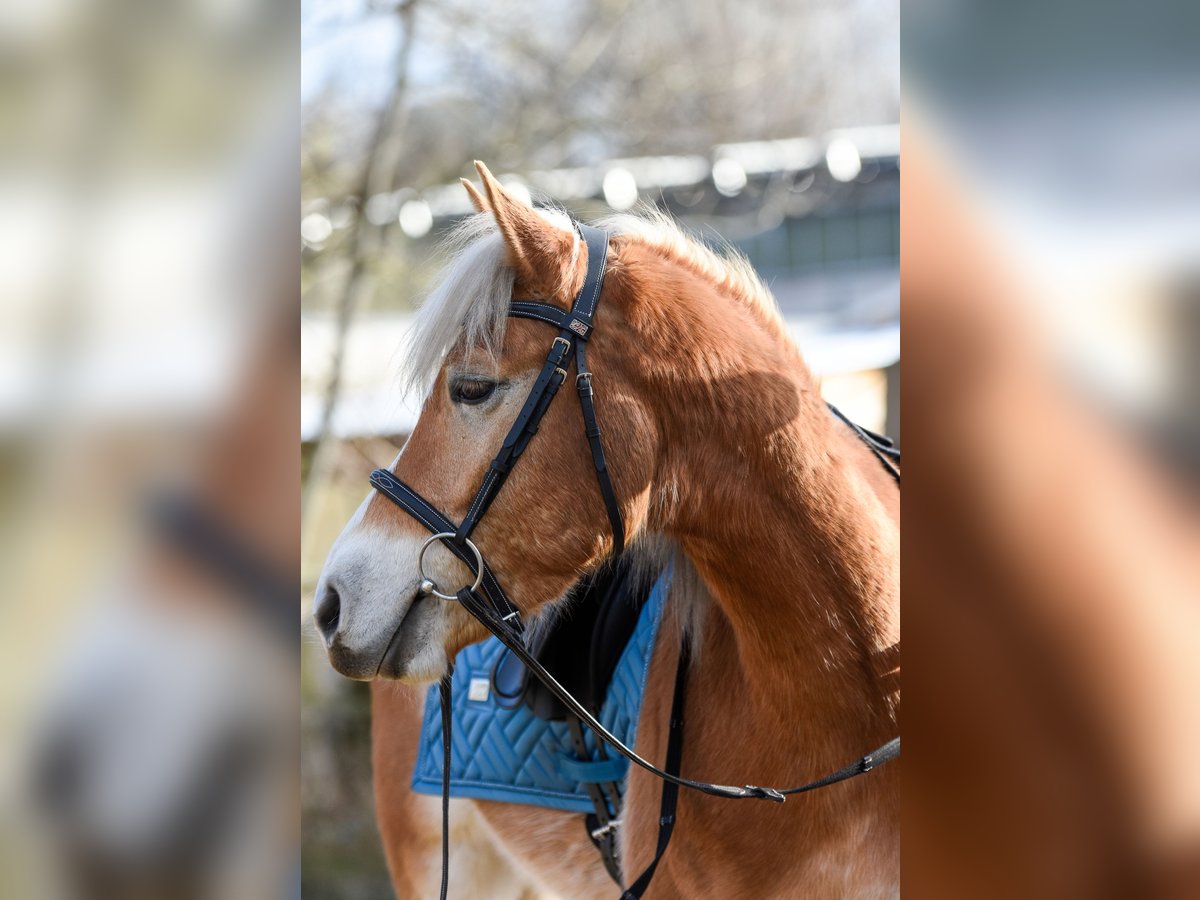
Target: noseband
498	614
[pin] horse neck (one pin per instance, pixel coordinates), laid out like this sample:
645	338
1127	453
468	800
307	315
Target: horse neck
778	506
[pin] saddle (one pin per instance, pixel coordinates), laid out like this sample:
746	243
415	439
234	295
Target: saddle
581	647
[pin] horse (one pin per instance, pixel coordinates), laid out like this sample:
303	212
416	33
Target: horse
783	526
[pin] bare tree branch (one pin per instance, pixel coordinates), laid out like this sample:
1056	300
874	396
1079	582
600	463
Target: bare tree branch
378	170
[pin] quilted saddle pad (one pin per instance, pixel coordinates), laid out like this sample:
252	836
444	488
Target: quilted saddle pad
513	756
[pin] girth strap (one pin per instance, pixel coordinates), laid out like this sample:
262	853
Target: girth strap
601	824
670	790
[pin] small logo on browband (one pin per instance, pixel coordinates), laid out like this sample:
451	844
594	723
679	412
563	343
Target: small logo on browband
578	327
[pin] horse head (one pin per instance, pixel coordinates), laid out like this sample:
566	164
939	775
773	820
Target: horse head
549	525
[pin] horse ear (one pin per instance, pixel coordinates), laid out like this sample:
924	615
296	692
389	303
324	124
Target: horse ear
477	200
539	252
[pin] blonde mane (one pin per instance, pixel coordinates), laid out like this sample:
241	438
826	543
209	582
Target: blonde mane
728	270
469	301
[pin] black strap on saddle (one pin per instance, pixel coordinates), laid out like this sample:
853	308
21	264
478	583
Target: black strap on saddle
497	613
670	790
882	446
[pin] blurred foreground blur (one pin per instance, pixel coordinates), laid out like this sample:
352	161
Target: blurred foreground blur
1051	229
148	517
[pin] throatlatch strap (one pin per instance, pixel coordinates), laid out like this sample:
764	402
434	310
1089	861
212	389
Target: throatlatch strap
670	791
591	429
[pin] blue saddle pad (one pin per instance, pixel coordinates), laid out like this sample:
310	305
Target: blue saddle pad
513	756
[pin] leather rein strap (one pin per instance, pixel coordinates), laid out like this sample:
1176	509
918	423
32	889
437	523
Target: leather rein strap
500	616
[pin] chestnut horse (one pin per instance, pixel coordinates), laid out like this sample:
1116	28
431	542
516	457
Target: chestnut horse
784	526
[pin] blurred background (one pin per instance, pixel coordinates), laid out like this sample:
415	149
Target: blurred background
1050	262
148	411
773	125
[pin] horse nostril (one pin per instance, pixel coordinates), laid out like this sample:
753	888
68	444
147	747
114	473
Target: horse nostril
329	613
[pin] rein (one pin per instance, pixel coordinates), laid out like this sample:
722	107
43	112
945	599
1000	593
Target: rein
498	614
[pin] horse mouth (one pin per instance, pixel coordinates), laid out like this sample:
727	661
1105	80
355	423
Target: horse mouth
407	641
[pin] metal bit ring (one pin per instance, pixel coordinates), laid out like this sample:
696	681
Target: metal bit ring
427	584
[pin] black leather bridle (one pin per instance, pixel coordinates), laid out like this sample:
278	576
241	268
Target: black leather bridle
498	614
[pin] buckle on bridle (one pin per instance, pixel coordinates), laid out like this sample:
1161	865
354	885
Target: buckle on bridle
583	381
605	830
566	345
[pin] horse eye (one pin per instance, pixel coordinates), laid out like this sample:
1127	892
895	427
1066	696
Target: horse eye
471	390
